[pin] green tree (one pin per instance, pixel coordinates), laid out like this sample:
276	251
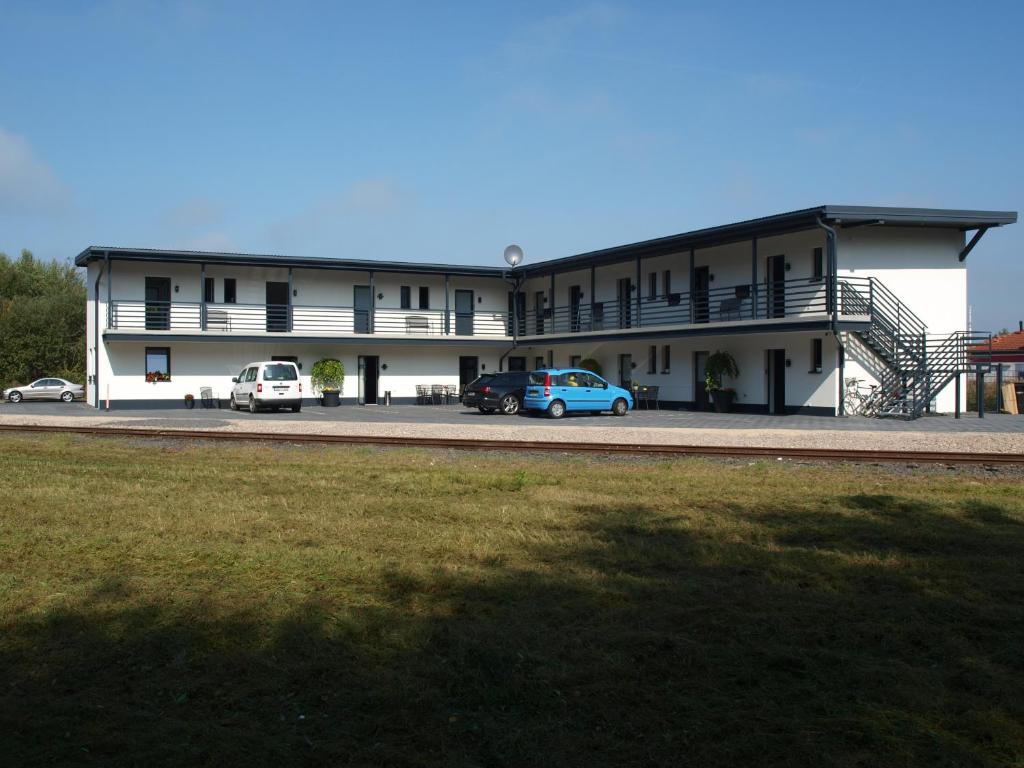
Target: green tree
42	320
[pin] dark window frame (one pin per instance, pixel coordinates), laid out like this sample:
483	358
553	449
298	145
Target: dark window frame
147	351
666	358
652	286
575	360
209	286
818	265
538	361
816	356
424	297
405	297
652	358
230	296
666	282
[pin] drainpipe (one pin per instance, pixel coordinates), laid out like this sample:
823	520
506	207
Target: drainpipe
96	332
833	283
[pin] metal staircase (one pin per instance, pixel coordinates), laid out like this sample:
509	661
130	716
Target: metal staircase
916	365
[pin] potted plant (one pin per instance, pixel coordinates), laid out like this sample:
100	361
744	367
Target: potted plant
327	376
720	364
190	402
590	364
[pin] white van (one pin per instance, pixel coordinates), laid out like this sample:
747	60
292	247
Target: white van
271	384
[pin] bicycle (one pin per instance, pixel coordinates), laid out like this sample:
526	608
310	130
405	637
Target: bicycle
861	401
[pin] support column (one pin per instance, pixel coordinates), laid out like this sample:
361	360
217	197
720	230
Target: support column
202	297
551	305
692	273
956	410
110	282
999	387
979	388
753	280
593	295
639	281
447	319
291	290
373	303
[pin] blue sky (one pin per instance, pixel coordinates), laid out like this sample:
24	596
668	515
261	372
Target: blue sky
443	132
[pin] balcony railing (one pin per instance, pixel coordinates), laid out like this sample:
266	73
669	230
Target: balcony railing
788	299
285	318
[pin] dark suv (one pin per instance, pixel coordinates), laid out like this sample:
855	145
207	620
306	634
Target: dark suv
499	392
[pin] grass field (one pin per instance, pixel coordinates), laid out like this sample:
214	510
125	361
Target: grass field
173	604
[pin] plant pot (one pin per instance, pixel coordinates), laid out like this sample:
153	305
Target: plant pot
723	400
330	399
190	404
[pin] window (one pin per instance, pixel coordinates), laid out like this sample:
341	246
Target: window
424	297
551	358
818	264
406	293
517	363
158	363
575	360
665	359
815	356
652	286
666	282
250	375
538	362
208	290
230	295
652	359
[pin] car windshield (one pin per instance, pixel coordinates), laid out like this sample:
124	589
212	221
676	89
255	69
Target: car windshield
279	373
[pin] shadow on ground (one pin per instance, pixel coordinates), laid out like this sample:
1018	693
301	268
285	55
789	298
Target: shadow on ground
888	636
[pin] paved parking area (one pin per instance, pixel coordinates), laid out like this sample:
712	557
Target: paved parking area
200	418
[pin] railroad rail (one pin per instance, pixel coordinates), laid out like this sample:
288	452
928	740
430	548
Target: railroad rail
628	449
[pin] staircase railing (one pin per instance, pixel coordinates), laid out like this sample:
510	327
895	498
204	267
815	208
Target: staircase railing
918	365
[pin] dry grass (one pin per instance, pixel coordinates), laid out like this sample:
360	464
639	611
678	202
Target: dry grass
203	605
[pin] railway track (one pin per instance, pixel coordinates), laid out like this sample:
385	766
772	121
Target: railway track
626	449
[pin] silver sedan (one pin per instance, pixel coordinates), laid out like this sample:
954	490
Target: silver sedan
45	389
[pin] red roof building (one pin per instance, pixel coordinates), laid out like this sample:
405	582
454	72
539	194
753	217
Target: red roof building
1008	348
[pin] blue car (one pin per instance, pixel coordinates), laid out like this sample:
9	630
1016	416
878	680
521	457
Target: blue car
560	390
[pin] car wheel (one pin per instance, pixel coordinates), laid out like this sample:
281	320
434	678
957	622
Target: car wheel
14	397
252	404
296	408
484	410
510	405
557	409
620	407
232	404
67	397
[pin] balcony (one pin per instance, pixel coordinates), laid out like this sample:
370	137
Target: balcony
743	304
329	322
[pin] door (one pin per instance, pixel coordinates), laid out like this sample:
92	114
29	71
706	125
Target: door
775	277
625	300
158	303
625	371
538	312
776	380
369	372
575	295
701	287
278	300
463	313
362	306
701	402
595	392
468	371
516	313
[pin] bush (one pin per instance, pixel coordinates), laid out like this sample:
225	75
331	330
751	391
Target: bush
327	375
590	364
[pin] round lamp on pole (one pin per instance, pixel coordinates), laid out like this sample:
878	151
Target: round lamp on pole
513	255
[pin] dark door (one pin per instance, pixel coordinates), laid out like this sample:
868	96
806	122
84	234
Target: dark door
517	313
700	395
463	313
362	307
538	312
775	277
158	303
776	370
468	371
625	371
277	306
369	372
517	363
701	286
625	298
575	295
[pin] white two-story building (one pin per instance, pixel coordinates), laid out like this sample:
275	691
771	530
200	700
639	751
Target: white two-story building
805	301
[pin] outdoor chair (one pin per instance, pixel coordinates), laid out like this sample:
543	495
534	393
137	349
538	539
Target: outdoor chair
219	319
207	399
729	309
417	324
421	394
651	396
436	393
